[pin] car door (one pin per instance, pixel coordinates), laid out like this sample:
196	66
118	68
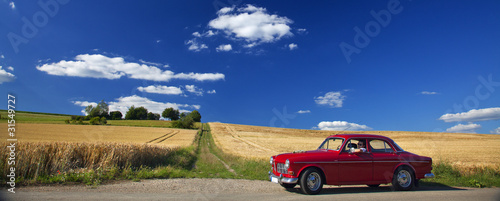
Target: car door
354	168
384	159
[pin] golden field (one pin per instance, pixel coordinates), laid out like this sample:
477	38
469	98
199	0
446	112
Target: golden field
466	150
101	134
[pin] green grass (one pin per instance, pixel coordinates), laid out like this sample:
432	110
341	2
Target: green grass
34	117
448	175
244	168
146	123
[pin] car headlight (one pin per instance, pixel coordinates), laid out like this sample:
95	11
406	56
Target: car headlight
287	164
271	161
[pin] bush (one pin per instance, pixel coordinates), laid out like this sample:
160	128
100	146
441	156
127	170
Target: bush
66	121
185	122
95	121
103	121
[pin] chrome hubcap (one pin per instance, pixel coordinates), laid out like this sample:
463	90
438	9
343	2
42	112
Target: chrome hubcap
313	181
404	178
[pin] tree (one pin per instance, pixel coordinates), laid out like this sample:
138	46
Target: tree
100	110
139	113
153	116
171	114
115	115
196	116
131	113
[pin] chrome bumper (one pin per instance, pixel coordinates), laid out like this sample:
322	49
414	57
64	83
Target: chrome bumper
429	175
280	179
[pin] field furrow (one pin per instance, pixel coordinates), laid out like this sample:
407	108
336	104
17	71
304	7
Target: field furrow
170	136
101	134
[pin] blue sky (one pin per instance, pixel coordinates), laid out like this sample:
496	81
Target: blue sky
332	65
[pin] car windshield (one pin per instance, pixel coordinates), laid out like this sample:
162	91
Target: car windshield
397	146
332	143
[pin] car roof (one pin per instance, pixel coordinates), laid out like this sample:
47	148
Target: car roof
347	136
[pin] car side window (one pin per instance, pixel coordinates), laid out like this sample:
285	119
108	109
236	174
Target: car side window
380	146
351	143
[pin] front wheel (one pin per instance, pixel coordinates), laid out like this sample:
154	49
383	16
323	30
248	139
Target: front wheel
403	179
311	181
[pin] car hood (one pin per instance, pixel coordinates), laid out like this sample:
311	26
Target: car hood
306	155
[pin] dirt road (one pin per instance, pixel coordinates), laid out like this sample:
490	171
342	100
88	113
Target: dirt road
228	189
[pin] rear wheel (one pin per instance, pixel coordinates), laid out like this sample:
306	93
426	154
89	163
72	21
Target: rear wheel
311	181
288	185
403	179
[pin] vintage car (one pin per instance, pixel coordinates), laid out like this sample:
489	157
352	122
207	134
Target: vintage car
350	159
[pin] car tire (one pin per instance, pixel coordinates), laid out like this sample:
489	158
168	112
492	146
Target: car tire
373	185
403	179
311	181
288	186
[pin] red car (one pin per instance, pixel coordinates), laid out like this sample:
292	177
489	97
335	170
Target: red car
349	159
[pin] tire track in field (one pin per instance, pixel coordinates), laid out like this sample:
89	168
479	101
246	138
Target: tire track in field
165	137
172	135
232	132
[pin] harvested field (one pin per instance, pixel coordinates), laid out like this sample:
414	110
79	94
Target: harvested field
115	134
466	150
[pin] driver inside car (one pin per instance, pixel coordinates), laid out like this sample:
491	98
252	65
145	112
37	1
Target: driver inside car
361	147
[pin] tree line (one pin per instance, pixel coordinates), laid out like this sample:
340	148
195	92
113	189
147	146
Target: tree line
99	114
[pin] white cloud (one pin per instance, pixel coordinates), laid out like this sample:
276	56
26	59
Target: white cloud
224	48
196	34
302	31
99	66
123	104
195	46
429	93
209	33
304	111
6	76
152	63
333	99
225	10
157	89
461	128
2	56
10	68
341	126
496	131
211	92
293	46
252	24
473	115
195	90
12	5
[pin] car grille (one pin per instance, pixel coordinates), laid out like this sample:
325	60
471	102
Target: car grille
280	167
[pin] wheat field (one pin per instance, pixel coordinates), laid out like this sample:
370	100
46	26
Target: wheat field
465	150
167	137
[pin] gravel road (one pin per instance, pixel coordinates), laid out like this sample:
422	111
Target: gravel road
229	189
